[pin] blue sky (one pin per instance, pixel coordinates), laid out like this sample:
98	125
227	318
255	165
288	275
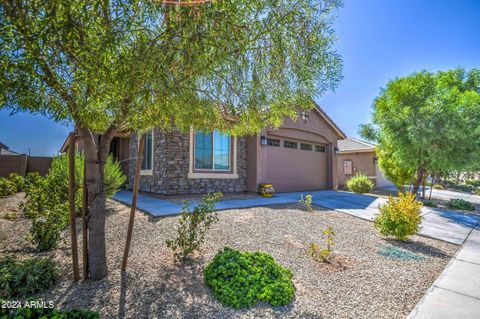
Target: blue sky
378	40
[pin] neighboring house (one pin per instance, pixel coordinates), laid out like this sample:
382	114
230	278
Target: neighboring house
4	150
300	155
356	156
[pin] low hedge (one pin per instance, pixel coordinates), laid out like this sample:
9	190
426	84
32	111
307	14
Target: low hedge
241	279
44	313
458	203
19	279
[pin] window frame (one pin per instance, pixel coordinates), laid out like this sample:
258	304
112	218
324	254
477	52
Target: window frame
320	149
270	142
148	171
285	142
306	147
213	173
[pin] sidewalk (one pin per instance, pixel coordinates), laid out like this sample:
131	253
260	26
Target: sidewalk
456	292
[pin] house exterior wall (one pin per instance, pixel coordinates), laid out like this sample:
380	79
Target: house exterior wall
316	128
171	157
362	162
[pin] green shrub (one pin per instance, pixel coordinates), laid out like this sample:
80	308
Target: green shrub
360	183
17	180
430	203
44	313
31	180
27	277
438	186
458	203
57	178
46	201
473	182
323	254
306	202
7	187
192	226
241	279
400	217
462	187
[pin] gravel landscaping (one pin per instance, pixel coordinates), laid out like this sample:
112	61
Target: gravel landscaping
370	277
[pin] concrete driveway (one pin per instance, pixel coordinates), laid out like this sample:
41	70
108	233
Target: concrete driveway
450	226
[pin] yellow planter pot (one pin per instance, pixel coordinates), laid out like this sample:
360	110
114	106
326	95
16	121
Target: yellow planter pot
266	190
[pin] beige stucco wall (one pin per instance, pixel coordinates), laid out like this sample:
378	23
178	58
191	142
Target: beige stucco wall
362	162
315	129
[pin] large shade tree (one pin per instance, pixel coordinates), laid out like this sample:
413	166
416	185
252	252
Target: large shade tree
128	65
426	123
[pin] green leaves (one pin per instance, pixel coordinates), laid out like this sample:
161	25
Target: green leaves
428	120
241	279
192	226
233	65
399	217
27	277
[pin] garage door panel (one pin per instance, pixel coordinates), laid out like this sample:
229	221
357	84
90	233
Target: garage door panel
296	169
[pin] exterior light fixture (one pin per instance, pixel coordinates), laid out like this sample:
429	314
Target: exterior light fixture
305	116
263	140
336	150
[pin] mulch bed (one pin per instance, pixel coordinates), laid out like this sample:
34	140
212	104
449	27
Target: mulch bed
361	281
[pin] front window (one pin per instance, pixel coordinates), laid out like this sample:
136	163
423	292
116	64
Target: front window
212	151
147	161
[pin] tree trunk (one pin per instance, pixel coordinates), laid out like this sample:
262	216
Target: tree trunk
95	157
424	184
418	180
431	186
97	261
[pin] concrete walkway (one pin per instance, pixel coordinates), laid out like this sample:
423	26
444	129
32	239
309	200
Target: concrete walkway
445	194
456	292
450	226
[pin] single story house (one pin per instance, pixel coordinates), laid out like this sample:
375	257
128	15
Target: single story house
300	155
356	156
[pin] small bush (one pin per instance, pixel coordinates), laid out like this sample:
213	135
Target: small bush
48	211
430	203
241	279
458	203
47	198
10	216
462	188
27	277
44	313
400	217
31	180
306	202
323	254
473	182
7	187
360	183
17	180
438	186
192	226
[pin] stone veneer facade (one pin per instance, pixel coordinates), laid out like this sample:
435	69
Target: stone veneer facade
171	165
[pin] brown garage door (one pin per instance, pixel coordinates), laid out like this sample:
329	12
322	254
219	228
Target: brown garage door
294	165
